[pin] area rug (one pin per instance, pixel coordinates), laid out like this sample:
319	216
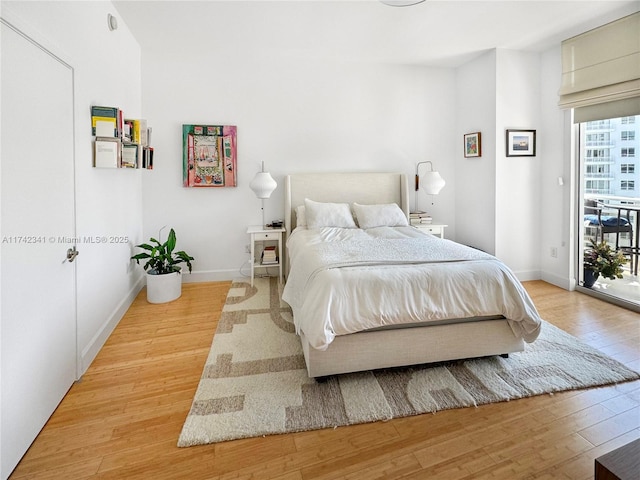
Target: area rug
255	382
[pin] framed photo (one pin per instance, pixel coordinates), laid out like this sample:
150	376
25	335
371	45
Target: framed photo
473	145
209	155
521	143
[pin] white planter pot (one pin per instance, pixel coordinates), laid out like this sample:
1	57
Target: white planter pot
164	288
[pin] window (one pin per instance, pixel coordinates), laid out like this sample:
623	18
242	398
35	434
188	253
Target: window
627	185
628	152
598	139
598	170
628	135
627	168
596	153
628	120
597	186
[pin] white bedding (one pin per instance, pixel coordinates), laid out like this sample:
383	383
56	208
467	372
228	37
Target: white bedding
345	280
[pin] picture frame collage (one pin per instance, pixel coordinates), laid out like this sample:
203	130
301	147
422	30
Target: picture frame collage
519	143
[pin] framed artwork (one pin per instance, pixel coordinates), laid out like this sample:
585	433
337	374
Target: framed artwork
473	145
521	143
209	156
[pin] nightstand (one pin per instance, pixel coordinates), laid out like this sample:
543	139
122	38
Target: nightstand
436	229
261	238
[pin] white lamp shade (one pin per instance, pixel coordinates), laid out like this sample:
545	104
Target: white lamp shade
263	185
432	182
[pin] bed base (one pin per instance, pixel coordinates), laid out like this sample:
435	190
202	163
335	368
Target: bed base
411	346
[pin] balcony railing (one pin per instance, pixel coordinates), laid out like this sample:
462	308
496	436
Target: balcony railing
600	125
603	191
602	160
611	204
599	176
600	143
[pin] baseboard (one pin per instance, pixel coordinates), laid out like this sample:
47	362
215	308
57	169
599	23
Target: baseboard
90	352
558	281
210	276
527	275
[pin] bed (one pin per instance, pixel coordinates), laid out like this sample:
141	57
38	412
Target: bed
368	296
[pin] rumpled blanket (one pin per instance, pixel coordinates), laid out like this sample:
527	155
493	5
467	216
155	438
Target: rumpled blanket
344	281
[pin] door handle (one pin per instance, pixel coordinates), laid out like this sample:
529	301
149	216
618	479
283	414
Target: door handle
72	253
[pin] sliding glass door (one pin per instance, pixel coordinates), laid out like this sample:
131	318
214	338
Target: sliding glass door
609	156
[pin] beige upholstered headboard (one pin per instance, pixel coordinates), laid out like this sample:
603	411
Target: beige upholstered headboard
364	188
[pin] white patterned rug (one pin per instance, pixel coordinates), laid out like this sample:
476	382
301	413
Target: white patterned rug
255	382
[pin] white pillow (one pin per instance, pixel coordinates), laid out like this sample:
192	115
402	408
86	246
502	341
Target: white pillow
388	215
321	214
301	217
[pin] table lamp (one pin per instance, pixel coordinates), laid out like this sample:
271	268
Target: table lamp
263	186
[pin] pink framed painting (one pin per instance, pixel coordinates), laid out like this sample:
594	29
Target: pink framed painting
209	156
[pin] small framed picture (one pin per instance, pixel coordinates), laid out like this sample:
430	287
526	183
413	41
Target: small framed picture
521	143
473	145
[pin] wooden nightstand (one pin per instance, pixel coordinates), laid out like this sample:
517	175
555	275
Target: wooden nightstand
262	237
436	229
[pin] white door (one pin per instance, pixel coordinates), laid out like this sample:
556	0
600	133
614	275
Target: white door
38	322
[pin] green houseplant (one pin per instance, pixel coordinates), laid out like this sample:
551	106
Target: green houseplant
164	279
601	259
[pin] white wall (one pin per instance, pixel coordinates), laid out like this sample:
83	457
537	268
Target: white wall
517	178
108	202
475	178
296	115
557	201
498	198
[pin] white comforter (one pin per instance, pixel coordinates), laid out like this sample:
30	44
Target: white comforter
344	281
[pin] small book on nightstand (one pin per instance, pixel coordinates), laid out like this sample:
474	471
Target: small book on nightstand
420	218
269	255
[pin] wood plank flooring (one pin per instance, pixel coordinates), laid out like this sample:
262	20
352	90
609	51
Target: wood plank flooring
123	419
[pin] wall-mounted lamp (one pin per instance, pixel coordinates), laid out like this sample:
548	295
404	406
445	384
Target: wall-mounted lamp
431	181
263	186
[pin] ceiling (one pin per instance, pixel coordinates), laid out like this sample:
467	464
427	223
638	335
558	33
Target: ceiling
440	33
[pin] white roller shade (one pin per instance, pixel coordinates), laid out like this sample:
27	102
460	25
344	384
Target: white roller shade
602	65
601	111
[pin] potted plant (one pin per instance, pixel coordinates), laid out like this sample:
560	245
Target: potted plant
164	275
601	259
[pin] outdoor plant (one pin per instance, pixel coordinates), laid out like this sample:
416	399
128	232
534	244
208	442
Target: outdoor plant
604	260
161	258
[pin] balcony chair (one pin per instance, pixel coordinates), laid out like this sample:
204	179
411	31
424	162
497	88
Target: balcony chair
600	224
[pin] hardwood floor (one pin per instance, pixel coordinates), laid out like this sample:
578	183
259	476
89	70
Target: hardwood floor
123	419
